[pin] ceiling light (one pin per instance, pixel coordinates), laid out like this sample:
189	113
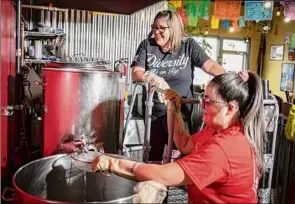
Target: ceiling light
287	20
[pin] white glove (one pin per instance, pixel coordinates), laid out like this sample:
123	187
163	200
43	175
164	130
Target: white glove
158	82
149	192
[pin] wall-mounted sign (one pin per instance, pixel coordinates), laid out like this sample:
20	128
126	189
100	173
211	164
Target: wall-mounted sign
276	52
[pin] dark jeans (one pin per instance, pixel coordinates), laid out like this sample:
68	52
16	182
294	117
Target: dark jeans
159	137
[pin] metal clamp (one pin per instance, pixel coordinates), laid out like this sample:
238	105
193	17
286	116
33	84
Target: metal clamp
7	189
9	110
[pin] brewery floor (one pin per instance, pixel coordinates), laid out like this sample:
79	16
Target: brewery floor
177	195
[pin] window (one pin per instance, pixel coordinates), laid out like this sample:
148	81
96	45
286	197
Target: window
232	54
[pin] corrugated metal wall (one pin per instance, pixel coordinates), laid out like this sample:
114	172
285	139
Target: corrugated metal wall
110	37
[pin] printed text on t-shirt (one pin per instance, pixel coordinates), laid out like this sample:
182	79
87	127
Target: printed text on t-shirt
158	66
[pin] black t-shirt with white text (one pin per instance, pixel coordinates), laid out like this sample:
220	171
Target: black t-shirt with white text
177	68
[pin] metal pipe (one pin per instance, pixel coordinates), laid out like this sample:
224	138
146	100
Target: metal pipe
18	36
148	120
45	8
183	100
274	139
269	102
23	44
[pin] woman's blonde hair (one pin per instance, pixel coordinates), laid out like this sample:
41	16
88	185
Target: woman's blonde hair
176	29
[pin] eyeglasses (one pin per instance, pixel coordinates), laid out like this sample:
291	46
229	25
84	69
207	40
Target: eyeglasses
161	29
210	101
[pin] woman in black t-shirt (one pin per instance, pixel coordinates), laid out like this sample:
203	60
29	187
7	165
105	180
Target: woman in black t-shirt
166	59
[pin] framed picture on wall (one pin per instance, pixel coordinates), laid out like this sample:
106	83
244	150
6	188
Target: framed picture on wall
291	53
276	52
287	77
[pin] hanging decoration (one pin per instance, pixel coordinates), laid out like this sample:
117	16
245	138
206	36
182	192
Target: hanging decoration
236	25
182	13
191	9
175	3
276	29
225	24
214	22
264	26
272	25
171	7
289	8
242	22
227	9
258	10
248	23
196	10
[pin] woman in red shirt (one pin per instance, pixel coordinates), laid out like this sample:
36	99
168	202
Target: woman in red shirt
224	159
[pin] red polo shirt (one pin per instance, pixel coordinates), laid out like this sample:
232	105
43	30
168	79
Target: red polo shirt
222	167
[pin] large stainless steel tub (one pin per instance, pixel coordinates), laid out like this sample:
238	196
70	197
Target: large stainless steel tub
56	180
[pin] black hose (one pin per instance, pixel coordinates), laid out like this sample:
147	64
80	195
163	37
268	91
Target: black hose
18	36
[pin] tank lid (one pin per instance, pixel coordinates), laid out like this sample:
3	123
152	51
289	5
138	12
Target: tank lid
80	63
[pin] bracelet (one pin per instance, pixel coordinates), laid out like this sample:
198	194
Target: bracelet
132	168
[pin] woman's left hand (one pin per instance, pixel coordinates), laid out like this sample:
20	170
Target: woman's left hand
72	146
172	95
102	164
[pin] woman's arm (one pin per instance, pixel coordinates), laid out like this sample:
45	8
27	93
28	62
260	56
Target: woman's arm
169	174
181	137
213	68
137	73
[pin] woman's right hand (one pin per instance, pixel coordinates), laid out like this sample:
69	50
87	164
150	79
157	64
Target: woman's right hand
172	95
156	81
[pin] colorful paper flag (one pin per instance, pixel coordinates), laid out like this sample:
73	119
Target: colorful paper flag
225	24
171	7
242	22
195	10
236	25
214	22
176	3
276	29
257	11
227	9
289	8
182	14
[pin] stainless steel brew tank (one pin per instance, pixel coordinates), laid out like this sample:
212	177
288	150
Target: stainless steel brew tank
82	98
100	109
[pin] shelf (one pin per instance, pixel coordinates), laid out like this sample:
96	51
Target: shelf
32	34
36	61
